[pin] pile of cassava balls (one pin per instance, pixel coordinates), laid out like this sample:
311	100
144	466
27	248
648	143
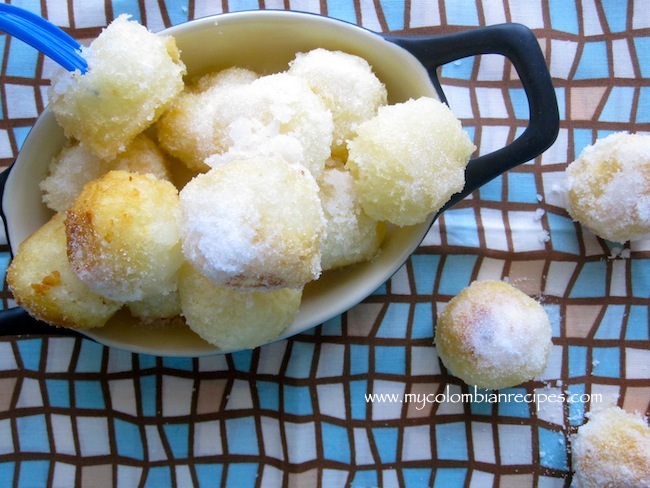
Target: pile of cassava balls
218	199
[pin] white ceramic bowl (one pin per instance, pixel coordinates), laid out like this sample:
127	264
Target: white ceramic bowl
266	41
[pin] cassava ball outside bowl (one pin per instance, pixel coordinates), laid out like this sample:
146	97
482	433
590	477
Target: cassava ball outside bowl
266	41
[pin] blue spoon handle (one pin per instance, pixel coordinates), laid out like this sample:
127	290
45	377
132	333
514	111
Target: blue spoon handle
42	35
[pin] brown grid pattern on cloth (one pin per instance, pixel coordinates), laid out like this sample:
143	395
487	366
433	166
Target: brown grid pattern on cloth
215	383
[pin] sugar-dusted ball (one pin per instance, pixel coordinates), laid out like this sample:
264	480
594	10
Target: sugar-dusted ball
351	236
494	336
132	76
347	85
409	160
233	320
611	449
192	129
275	115
608	187
75	166
43	282
123	236
253	224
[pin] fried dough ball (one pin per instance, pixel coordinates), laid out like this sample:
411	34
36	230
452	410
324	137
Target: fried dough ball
253	224
350	235
347	86
232	320
44	284
187	130
75	166
156	307
609	187
132	76
409	160
612	449
494	336
219	79
274	115
123	236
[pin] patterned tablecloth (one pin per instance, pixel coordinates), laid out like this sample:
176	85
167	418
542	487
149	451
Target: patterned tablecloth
301	412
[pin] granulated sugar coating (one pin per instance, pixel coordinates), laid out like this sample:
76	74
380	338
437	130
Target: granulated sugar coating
493	336
608	187
232	320
132	76
253	224
275	115
75	166
611	449
191	129
43	282
346	85
408	160
220	79
350	236
123	237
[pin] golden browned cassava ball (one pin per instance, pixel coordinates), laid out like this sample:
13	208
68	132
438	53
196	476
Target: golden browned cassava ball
347	86
609	187
44	284
192	130
350	235
132	76
75	166
253	224
123	236
611	449
232	320
492	335
409	160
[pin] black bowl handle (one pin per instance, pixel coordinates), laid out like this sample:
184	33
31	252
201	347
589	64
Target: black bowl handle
17	322
517	43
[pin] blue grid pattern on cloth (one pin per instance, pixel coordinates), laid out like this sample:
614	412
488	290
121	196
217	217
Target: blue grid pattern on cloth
297	410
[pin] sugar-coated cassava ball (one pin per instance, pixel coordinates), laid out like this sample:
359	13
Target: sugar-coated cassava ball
347	86
75	166
191	129
611	449
156	307
253	224
275	115
44	284
408	160
494	336
223	78
132	76
608	187
232	320
350	235
123	236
